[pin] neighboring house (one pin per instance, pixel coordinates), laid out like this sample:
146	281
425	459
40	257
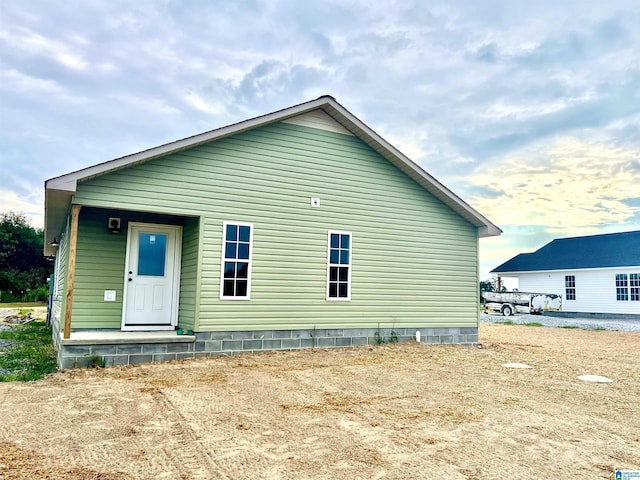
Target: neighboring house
597	274
295	229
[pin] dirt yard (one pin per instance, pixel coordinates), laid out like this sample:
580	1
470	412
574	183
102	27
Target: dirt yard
402	411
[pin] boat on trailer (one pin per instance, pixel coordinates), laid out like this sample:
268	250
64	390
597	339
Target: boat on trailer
509	303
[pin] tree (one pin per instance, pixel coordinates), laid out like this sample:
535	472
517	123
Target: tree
490	286
486	286
23	267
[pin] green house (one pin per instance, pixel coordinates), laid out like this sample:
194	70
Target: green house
299	228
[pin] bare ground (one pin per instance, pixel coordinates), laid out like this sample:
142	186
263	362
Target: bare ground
402	411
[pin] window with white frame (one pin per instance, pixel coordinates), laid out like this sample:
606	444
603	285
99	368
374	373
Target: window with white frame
628	287
634	286
570	287
235	282
622	287
339	266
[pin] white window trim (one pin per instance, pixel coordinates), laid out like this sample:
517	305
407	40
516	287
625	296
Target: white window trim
223	259
574	288
632	286
624	289
628	287
350	265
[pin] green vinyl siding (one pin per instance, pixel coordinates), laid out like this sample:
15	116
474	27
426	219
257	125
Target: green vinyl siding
100	258
414	259
60	278
189	274
100	266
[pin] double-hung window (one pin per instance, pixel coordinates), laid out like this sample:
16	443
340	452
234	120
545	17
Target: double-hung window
634	286
628	287
235	283
622	291
339	266
570	287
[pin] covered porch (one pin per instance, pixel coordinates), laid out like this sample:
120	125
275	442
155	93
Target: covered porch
126	286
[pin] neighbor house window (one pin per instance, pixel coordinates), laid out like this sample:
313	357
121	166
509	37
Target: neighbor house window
235	283
622	291
634	285
339	266
570	287
628	289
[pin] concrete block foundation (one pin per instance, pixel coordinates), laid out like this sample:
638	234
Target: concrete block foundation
123	348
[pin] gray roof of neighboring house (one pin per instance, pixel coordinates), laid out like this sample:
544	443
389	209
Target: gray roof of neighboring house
594	251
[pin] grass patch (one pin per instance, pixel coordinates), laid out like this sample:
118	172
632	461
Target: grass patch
23	304
571	327
381	339
31	356
530	324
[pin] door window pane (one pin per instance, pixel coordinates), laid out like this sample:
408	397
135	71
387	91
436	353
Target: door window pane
152	252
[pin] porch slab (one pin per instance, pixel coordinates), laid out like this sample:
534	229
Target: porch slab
117	337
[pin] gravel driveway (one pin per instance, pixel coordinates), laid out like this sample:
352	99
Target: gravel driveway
623	325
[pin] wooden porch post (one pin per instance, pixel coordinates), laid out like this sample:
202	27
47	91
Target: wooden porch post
71	269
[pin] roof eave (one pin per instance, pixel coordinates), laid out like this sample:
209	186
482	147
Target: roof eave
56	207
485	227
68	182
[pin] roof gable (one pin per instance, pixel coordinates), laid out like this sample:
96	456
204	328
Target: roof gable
318	119
324	112
594	251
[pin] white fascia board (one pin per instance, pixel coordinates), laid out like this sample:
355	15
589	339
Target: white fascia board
61	183
558	270
489	231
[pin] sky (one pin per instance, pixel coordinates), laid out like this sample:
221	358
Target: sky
529	111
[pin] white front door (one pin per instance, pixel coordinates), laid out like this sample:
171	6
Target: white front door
152	277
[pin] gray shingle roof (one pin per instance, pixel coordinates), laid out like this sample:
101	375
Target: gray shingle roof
594	251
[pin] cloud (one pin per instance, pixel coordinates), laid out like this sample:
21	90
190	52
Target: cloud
147	104
18	83
567	185
199	103
26	41
577	46
12	202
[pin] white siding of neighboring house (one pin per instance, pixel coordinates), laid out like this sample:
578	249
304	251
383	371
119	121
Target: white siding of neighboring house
595	289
